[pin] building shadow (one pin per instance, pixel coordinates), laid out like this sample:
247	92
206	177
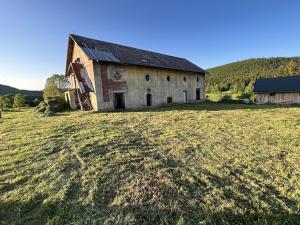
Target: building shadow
148	187
211	106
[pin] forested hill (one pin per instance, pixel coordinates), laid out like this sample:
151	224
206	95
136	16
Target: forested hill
4	89
235	77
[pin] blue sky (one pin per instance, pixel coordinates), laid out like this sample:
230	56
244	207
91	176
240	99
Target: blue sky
33	34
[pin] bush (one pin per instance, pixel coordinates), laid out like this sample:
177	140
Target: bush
6	101
243	95
253	98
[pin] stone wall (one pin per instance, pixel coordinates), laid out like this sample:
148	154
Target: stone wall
130	80
108	79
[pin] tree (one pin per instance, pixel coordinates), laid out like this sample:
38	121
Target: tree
249	88
292	67
237	88
282	70
18	101
55	86
6	101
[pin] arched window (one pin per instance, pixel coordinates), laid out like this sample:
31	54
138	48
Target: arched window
149	99
147	77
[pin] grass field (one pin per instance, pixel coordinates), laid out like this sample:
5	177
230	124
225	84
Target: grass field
210	163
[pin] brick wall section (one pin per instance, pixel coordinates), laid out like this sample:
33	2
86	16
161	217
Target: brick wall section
105	82
109	84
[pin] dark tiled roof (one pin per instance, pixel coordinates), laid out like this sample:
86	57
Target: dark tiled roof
279	84
114	53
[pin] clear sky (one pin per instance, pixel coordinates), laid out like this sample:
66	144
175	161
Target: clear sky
33	33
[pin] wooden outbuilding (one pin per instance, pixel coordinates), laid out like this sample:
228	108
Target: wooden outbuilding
279	90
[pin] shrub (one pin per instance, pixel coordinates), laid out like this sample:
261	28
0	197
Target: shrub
6	101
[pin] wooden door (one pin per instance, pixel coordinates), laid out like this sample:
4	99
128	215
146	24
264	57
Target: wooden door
197	93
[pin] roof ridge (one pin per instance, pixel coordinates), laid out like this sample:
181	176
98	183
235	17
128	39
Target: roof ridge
281	76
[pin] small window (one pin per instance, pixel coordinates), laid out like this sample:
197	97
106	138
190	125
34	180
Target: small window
184	79
168	78
117	76
197	79
272	94
147	77
169	100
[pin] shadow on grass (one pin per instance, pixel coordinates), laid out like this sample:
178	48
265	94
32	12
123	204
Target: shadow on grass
216	106
35	212
208	106
155	187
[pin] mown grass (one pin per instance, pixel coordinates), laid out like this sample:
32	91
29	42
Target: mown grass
194	164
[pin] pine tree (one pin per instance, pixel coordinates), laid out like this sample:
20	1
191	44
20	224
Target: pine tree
249	88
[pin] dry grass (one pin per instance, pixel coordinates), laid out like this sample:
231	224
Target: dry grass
192	164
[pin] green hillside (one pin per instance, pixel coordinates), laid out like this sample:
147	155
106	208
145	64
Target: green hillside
4	89
235	77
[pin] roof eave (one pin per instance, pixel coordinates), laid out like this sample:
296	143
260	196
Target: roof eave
69	53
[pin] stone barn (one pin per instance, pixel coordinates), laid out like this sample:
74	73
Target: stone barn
284	90
106	76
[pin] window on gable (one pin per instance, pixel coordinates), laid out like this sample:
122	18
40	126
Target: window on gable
147	77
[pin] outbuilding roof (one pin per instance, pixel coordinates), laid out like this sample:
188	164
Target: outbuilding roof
279	84
114	53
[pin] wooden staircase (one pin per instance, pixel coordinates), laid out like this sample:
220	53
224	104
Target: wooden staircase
84	101
81	87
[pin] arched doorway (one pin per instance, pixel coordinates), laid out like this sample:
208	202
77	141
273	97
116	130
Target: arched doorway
197	93
149	99
184	96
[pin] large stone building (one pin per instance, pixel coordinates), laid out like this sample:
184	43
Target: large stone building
106	76
278	90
